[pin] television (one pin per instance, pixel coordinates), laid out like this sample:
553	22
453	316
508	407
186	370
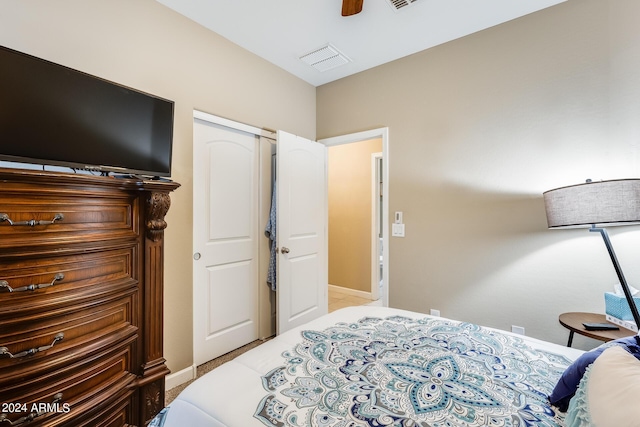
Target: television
54	115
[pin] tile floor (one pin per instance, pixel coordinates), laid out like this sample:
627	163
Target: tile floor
341	300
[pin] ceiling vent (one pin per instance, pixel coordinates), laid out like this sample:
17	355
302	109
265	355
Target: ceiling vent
399	4
325	58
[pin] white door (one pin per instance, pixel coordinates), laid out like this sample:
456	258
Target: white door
301	231
225	234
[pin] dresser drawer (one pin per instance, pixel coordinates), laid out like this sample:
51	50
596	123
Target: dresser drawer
64	219
45	286
119	414
46	344
87	392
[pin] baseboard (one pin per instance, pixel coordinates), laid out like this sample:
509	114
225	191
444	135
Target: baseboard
177	378
349	291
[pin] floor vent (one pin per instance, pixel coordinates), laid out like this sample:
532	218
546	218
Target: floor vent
325	58
399	4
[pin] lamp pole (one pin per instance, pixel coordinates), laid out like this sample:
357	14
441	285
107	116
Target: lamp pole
616	265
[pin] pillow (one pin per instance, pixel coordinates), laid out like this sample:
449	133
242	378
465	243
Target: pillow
578	413
608	393
570	379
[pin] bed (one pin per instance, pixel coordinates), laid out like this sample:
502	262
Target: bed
377	366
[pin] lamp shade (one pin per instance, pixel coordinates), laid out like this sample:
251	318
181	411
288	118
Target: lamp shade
606	203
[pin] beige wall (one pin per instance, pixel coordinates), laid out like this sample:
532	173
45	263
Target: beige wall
145	45
478	129
350	214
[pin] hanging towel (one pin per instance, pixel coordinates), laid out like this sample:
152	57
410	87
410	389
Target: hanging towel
270	232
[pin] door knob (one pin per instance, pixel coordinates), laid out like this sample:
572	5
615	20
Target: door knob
197	256
284	250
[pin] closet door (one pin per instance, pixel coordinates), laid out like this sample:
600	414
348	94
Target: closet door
225	233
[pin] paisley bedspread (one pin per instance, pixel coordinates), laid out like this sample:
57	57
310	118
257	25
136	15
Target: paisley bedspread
406	372
375	367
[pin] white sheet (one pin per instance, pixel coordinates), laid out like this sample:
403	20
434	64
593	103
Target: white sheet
228	396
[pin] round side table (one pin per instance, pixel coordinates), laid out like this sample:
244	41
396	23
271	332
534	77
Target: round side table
574	323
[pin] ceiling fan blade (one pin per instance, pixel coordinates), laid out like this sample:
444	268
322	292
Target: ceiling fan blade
351	7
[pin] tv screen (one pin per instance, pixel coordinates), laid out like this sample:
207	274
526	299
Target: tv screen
54	115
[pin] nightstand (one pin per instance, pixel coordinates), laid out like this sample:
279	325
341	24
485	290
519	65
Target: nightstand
573	322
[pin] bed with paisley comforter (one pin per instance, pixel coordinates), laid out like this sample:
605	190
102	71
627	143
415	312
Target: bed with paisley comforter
376	366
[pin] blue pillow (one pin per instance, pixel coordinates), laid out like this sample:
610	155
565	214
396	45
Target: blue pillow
570	379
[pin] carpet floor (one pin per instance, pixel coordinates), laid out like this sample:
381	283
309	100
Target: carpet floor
208	366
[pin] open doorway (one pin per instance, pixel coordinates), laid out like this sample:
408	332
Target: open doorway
357	219
352	224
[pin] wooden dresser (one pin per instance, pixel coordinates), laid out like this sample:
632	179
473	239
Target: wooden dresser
81	299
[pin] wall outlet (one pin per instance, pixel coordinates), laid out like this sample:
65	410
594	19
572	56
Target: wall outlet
517	330
434	312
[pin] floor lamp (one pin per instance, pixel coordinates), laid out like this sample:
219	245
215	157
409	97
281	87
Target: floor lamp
598	205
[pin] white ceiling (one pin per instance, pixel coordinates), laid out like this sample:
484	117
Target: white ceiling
281	31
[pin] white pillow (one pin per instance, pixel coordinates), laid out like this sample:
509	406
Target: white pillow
613	389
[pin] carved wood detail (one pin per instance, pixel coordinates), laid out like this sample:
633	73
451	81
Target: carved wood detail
153	399
157	207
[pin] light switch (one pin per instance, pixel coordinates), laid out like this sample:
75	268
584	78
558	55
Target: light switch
397	230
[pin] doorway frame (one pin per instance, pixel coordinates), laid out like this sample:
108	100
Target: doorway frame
376	223
383	134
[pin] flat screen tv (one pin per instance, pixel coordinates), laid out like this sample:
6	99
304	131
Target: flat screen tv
54	115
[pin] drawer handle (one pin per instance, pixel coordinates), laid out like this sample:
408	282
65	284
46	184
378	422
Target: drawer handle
32	415
31	222
4	351
5	284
